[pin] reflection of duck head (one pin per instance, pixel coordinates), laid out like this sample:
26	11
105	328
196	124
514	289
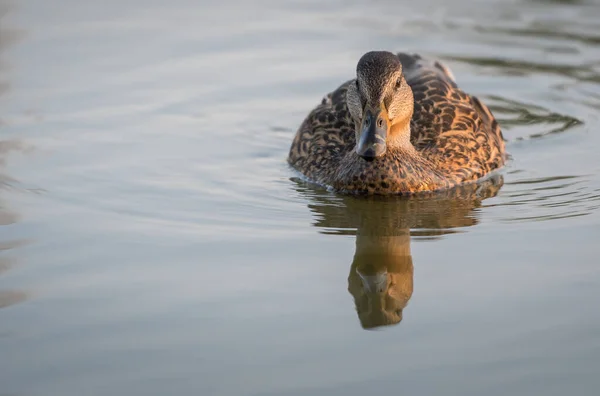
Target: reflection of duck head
381	274
381	278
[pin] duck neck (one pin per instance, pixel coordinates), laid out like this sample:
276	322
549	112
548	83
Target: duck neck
399	137
397	245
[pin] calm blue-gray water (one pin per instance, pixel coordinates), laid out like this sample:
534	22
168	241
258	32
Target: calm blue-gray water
154	241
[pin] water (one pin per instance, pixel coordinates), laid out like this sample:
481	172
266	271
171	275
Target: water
153	240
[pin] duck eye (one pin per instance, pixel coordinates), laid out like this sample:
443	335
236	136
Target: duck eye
398	82
357	84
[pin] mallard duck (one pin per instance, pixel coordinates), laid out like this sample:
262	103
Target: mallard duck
402	126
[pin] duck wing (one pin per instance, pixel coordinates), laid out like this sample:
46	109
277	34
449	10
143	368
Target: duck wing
451	128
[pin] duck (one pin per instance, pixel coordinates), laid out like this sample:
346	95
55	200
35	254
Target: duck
402	126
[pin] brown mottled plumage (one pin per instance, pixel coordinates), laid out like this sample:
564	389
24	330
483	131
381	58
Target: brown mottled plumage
401	126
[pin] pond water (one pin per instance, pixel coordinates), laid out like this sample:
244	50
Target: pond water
154	241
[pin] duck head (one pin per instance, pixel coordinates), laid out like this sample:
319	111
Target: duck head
381	104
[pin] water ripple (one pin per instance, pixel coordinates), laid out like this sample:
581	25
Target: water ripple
518	119
547	198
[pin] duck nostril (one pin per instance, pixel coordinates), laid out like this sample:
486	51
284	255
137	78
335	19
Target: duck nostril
380	123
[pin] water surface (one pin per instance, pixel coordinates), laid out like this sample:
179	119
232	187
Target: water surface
154	241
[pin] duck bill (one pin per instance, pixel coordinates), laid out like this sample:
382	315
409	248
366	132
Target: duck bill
373	133
374	283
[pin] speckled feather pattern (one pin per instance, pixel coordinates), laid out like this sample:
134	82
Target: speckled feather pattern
455	136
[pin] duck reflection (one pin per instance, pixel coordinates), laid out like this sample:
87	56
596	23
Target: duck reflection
381	273
381	278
